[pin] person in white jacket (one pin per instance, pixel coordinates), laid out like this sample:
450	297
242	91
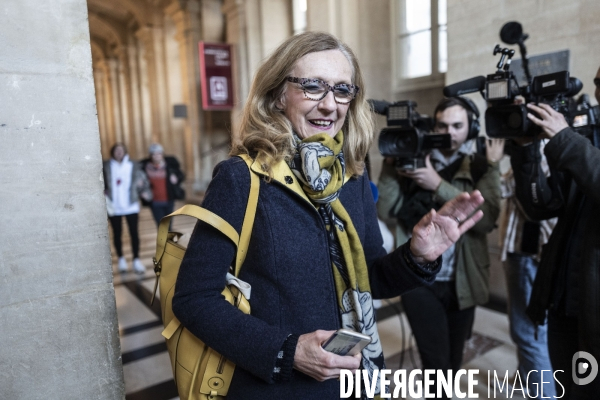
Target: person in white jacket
124	184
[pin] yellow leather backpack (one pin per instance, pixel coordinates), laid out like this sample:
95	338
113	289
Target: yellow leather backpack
200	372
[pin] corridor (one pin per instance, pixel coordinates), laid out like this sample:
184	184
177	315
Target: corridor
146	363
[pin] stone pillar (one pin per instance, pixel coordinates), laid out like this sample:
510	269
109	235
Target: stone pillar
254	28
108	105
163	135
127	102
187	20
115	90
136	95
175	90
58	320
236	35
98	84
149	91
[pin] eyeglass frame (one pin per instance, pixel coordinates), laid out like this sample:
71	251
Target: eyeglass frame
330	88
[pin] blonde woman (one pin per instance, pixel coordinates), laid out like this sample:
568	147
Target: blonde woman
315	259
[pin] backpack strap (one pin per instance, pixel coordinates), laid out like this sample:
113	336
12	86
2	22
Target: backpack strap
241	241
248	217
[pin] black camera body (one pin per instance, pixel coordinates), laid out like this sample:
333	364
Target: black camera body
407	135
505	119
586	120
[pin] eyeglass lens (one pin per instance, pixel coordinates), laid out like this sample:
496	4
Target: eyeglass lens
315	89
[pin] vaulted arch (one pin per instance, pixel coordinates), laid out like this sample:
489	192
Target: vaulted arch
108	29
140	10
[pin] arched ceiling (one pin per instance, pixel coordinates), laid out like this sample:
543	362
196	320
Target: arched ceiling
123	11
111	21
106	29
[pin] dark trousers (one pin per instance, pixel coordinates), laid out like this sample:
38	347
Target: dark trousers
439	327
564	340
132	226
161	209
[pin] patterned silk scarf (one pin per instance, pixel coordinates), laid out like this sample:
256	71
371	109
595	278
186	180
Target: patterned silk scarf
319	165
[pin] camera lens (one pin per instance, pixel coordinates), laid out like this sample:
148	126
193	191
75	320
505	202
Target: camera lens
514	121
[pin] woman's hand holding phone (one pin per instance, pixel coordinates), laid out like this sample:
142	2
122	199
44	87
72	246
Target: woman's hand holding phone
318	363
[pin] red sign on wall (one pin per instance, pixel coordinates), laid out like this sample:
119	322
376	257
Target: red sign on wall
216	76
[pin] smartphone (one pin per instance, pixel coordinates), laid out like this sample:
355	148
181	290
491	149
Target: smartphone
346	342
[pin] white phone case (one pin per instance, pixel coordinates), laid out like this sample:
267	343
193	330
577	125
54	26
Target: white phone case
346	342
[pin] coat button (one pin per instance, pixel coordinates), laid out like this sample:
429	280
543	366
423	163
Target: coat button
289	180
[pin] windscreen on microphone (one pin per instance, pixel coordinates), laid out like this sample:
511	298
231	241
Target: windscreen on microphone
476	84
379	106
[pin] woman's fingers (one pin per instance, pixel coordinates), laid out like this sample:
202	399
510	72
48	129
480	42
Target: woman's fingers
469	223
462	206
312	360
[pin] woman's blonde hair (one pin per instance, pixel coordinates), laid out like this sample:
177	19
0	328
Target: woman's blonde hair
266	133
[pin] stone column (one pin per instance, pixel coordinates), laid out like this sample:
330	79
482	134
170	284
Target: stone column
58	320
109	113
99	85
164	134
146	36
138	126
115	90
127	102
235	13
186	16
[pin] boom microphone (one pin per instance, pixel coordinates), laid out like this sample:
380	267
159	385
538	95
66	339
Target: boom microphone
476	84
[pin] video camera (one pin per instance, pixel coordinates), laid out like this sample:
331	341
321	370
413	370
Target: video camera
504	118
407	136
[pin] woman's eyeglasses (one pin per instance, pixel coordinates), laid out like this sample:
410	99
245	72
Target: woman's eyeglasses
316	89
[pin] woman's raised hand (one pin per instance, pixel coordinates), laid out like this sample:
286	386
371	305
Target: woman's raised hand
437	231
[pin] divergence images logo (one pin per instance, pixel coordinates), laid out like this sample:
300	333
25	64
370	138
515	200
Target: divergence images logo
585	368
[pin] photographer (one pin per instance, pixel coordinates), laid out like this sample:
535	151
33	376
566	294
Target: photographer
567	284
441	316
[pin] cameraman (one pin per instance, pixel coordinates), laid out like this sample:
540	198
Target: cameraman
441	316
567	284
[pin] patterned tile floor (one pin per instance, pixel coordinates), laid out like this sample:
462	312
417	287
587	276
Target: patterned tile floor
146	362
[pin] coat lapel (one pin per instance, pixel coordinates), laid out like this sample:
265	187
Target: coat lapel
284	176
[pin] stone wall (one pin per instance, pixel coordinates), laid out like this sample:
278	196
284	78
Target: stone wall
58	320
552	25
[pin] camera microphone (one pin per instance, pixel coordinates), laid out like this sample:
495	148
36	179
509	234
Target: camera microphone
379	106
476	84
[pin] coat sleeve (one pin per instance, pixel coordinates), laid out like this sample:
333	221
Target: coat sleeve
390	275
528	173
244	339
489	186
572	153
142	183
175	168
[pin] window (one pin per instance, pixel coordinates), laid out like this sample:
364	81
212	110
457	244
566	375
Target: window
299	15
420	43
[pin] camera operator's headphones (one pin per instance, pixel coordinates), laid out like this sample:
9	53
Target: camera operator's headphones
473	116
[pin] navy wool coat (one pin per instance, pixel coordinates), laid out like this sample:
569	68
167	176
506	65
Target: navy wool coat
289	268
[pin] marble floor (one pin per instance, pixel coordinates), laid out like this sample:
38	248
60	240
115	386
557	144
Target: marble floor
146	363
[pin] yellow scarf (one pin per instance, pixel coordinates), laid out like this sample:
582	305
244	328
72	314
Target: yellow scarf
319	166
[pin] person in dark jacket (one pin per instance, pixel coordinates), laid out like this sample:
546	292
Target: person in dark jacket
567	285
315	259
165	178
